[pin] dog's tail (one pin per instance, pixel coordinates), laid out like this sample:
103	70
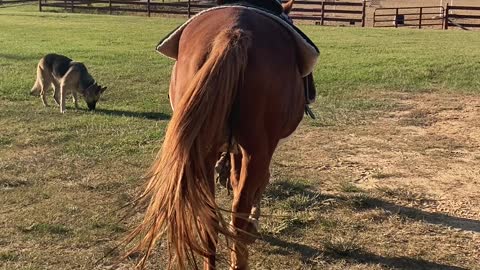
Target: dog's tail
37	87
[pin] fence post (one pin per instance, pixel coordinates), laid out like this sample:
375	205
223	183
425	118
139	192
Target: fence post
71	5
323	12
148	8
396	18
445	17
110	7
40	5
420	19
364	7
188	8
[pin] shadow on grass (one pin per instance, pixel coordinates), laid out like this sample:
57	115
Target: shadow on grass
465	224
308	253
401	263
289	248
145	115
282	190
285	190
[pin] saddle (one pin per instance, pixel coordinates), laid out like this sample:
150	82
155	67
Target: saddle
272	6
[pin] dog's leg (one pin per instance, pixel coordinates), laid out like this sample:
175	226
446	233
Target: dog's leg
43	91
75	99
63	92
56	92
45	81
69	81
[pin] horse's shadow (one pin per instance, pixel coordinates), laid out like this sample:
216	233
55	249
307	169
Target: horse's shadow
145	115
283	190
442	219
307	253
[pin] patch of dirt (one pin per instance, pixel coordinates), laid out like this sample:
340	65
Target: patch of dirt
411	176
425	154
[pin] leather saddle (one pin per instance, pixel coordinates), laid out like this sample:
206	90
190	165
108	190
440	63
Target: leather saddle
272	6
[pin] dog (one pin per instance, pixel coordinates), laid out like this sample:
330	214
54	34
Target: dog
62	73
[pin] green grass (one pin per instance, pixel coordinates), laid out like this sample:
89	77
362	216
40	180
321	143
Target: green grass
404	59
64	177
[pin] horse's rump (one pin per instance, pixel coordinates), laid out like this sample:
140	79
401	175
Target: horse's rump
272	85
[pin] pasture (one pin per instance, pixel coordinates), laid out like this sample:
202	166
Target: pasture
387	177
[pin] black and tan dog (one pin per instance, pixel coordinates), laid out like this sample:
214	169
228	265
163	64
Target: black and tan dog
64	75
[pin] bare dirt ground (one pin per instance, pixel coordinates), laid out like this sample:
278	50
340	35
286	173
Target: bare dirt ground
433	148
430	145
418	164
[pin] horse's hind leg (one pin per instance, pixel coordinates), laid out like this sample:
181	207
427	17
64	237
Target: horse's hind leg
250	175
255	212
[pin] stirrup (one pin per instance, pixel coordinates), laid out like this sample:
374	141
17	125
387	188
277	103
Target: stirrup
309	112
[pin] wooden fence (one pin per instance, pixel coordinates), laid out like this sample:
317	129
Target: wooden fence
418	17
351	13
147	7
464	17
319	12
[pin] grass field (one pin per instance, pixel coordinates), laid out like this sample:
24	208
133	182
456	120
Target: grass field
387	177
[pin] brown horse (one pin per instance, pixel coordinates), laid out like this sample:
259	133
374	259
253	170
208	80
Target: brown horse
236	79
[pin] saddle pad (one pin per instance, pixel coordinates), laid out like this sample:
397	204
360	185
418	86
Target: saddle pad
308	52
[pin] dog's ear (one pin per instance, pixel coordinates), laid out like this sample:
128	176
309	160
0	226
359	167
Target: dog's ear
90	88
102	89
288	6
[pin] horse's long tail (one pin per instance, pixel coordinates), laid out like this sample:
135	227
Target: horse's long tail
181	203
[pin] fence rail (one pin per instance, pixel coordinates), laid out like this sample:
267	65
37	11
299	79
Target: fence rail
419	17
464	17
115	6
337	12
319	12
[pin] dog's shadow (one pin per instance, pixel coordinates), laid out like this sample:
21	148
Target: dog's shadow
145	115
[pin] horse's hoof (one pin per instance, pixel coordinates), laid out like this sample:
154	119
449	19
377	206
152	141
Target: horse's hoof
251	234
248	235
235	267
